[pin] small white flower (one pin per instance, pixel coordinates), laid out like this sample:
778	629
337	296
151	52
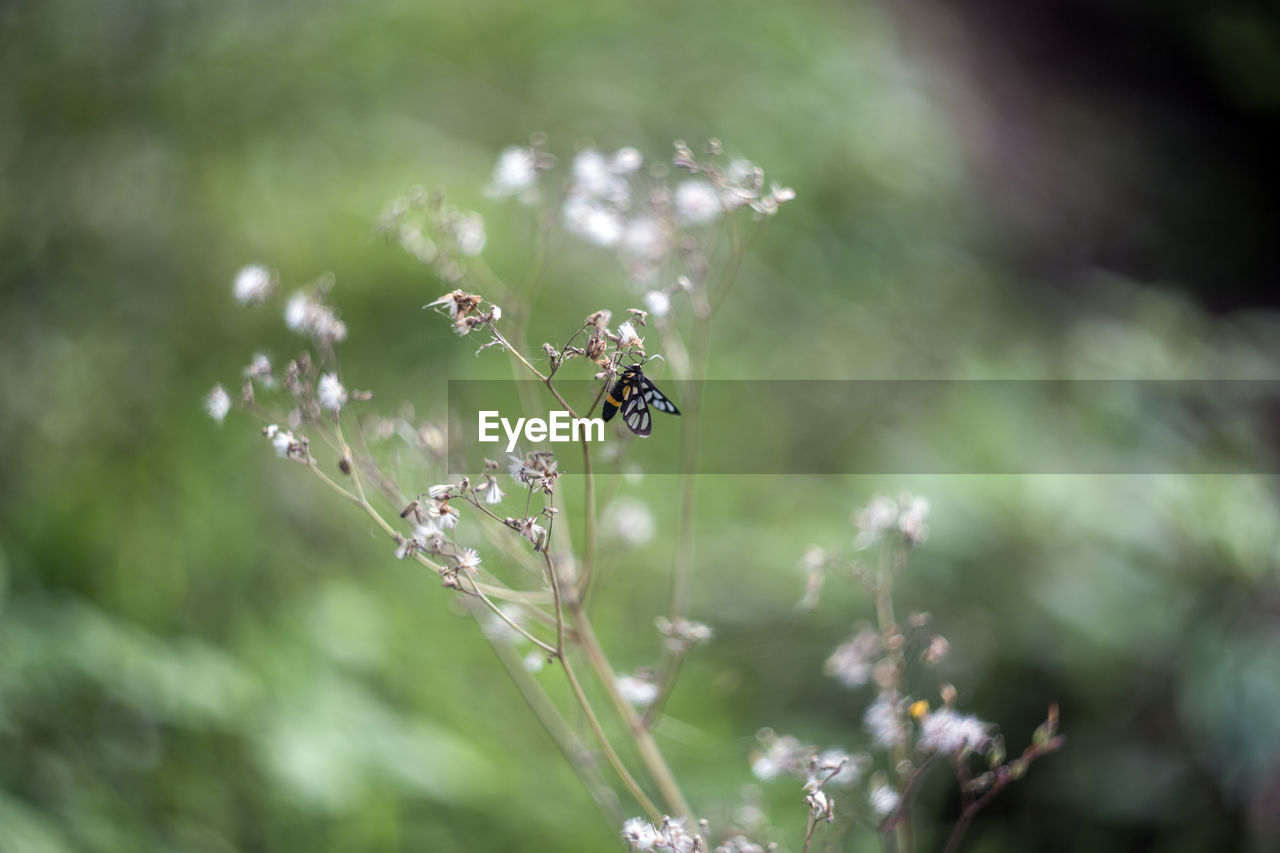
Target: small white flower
306	316
296	311
470	234
407	547
330	393
640	834
912	520
637	691
530	529
218	403
644	238
515	174
439	512
590	219
260	369
440	490
884	722
872	521
282	441
847	768
495	312
469	559
853	661
696	203
625	160
682	634
884	800
631	521
782	754
491	493
627	336
594	178
819	805
950	733
252	284
657	302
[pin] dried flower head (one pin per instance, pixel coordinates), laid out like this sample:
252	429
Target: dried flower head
330	392
218	403
949	733
252	284
637	690
853	660
884	720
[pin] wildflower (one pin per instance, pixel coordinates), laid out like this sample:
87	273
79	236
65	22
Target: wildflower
330	393
598	177
439	512
820	805
884	799
218	403
883	720
852	661
282	440
696	203
260	369
518	469
637	691
627	337
949	733
658	303
836	767
640	834
782	754
252	284
469	233
937	649
594	221
515	174
767	204
625	160
457	303
407	547
469	559
912	519
740	844
491	492
442	490
644	239
529	529
631	521
872	521
682	634
306	315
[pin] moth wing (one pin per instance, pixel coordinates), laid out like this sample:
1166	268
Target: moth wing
658	400
635	414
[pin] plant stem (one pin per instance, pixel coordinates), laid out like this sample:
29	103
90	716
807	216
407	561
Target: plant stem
592	720
892	640
645	744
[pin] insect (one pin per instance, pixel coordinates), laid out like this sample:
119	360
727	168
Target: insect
634	393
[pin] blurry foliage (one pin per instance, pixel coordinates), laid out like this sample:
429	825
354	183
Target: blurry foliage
200	651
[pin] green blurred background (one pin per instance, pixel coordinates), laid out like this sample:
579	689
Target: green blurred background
202	651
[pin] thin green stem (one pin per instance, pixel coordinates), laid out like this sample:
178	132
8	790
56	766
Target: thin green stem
585	704
647	746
